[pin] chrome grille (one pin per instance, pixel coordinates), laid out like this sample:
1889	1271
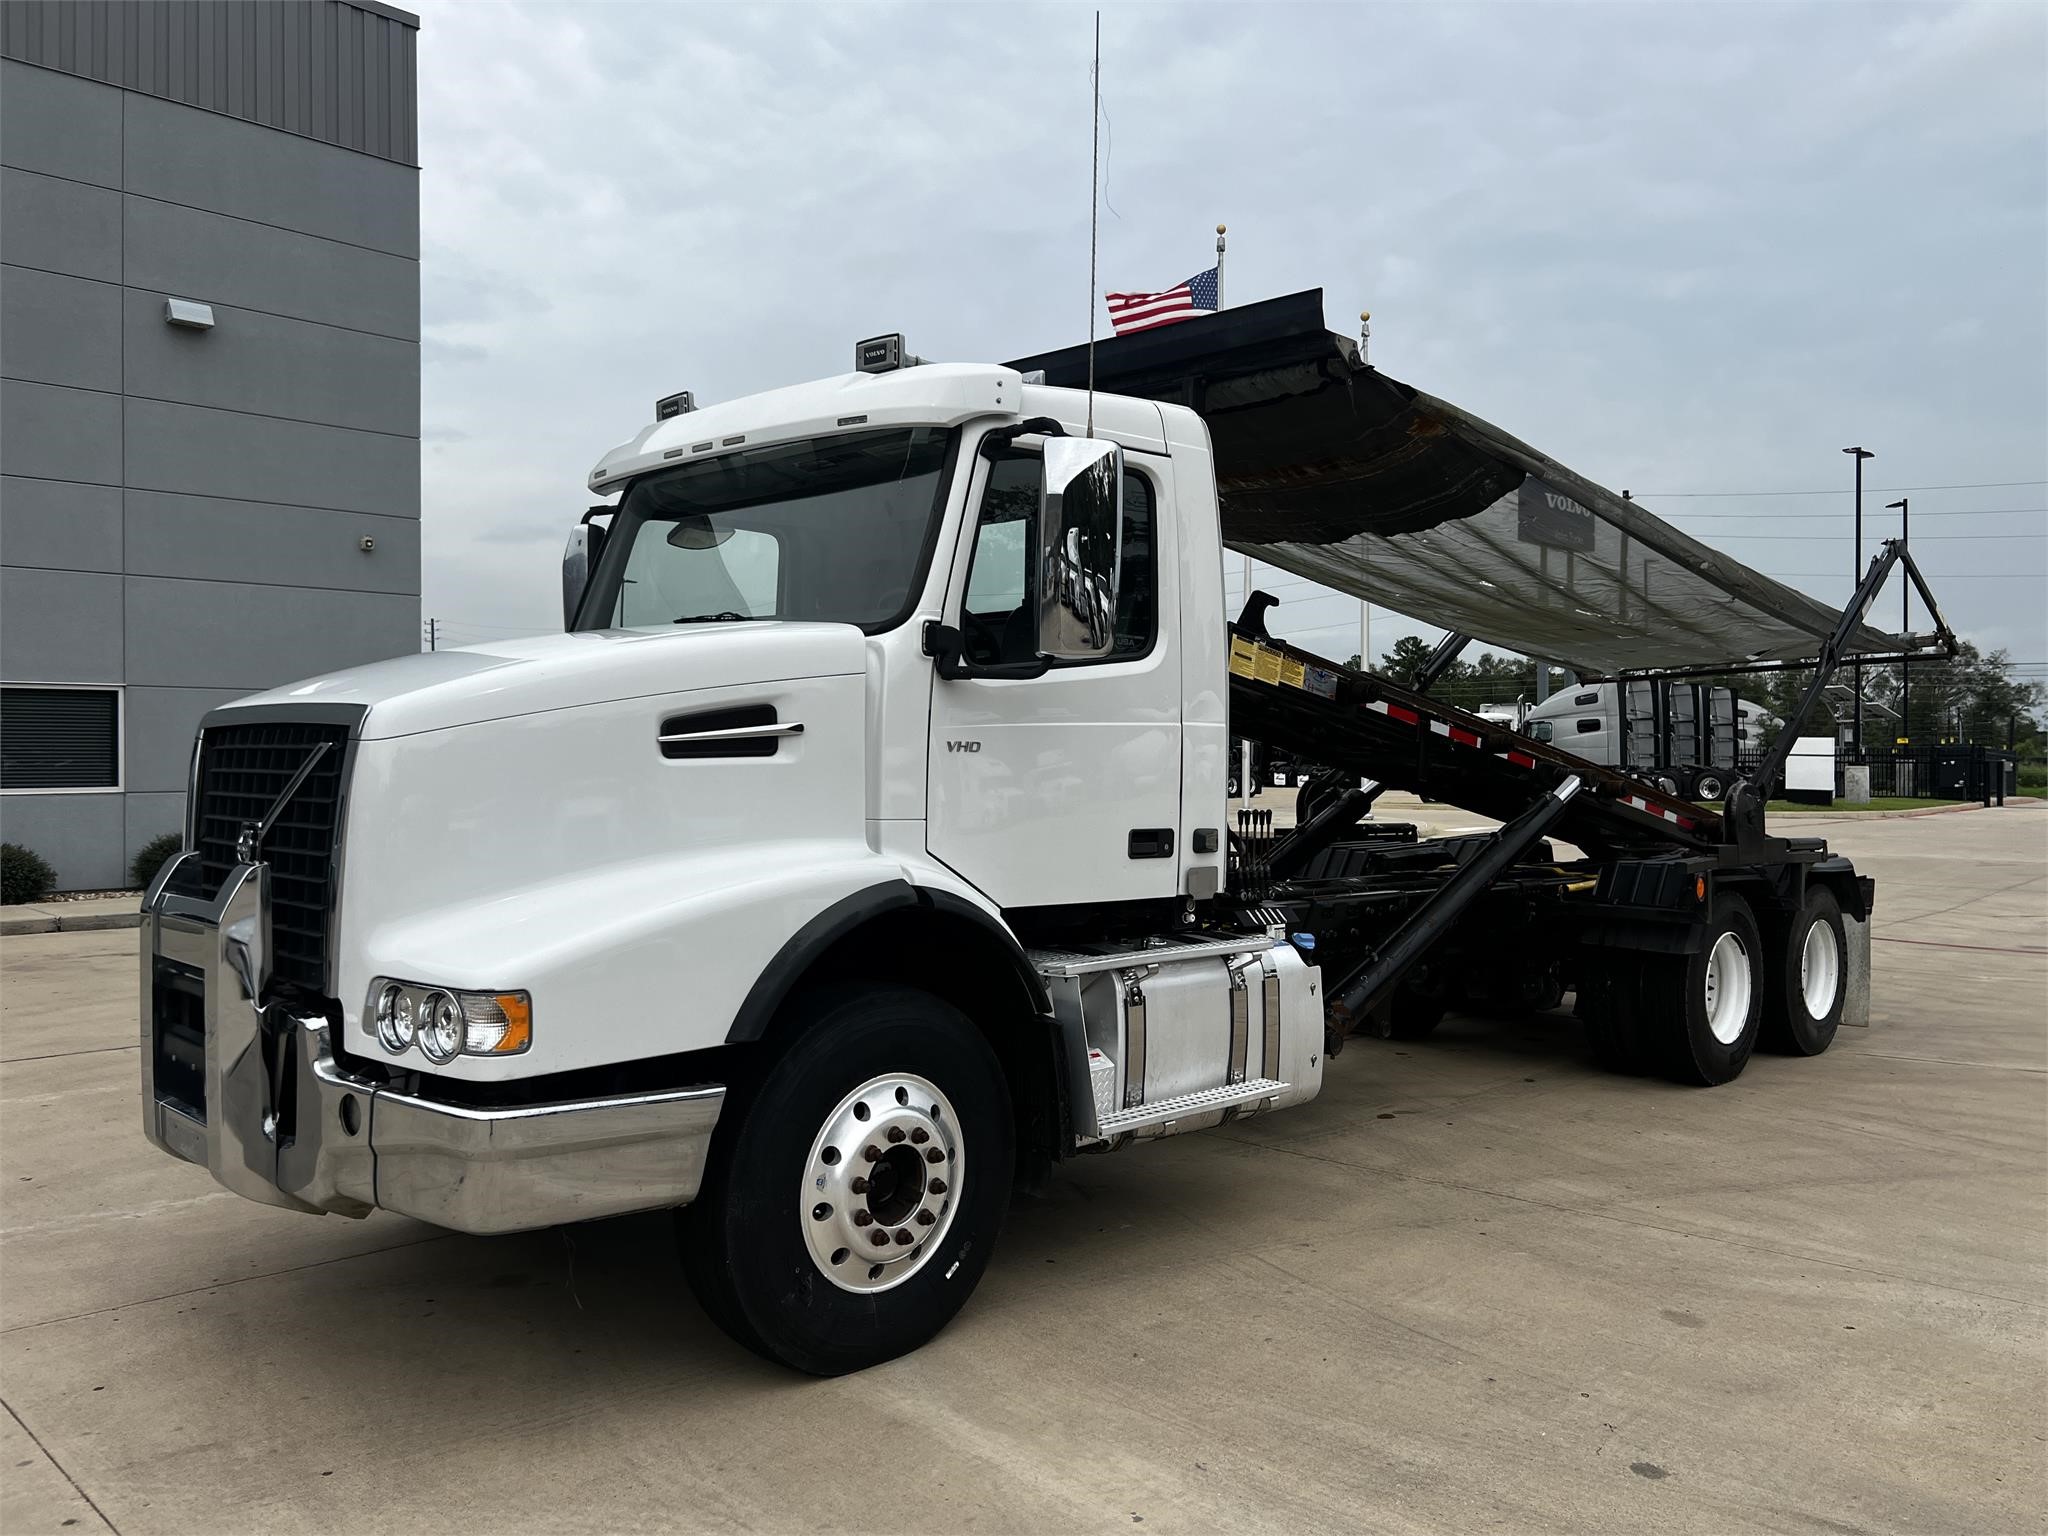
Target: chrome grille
242	771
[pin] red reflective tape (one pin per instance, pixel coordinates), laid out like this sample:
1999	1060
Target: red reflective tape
1521	760
1464	738
1408	716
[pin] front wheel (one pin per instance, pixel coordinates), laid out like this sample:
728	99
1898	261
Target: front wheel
848	1214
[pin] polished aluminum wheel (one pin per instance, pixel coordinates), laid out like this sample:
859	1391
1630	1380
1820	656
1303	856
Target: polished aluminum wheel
1729	986
882	1182
1820	970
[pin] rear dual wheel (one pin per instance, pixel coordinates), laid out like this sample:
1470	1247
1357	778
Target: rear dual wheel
1805	1004
1693	1018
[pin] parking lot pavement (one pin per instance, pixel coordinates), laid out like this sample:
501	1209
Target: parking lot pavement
1475	1284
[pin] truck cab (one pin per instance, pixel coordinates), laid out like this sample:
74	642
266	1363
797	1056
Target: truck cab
866	685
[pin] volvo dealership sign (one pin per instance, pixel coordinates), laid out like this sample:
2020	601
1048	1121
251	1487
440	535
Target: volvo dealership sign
1544	515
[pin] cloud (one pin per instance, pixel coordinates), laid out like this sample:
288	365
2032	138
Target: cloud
1681	249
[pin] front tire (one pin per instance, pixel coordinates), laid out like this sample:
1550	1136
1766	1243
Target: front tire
851	1207
1803	1011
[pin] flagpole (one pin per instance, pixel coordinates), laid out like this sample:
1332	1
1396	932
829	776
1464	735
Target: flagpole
1094	200
1219	265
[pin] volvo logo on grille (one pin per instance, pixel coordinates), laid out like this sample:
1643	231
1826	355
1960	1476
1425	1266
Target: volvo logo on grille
249	841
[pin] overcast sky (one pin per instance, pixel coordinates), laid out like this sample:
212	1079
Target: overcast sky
1682	249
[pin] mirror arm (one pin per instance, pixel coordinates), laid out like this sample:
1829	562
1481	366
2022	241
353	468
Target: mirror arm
1002	437
943	643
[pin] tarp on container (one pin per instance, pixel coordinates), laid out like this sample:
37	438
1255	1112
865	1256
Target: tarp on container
1336	471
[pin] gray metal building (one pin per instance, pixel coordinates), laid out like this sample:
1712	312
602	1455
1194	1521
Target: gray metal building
202	498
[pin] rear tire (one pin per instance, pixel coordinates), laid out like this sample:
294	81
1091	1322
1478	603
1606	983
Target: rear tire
1608	1004
1704	1011
770	1246
1802	1012
1711	785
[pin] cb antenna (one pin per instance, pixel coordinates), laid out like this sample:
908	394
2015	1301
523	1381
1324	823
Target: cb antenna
1094	172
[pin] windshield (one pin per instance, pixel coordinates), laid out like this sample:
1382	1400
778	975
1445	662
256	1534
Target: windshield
827	528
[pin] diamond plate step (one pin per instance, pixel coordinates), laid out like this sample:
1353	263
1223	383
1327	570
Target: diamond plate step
1159	1111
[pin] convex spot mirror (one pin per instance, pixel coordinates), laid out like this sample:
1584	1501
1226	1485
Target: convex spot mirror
1081	529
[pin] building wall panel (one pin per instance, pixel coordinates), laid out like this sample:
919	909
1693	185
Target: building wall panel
61	525
52	433
206	161
58	124
83	836
59	330
60	626
248	541
203	452
60	226
269	365
223	260
198	633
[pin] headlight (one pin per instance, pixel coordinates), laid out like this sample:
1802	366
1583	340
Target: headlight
441	1028
394	1018
446	1024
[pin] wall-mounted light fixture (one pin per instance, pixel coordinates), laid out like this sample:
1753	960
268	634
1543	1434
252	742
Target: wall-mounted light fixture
189	313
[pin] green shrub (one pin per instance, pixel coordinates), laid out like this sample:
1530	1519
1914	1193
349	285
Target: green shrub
25	875
152	857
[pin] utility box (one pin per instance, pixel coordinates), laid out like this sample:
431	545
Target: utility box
1856	783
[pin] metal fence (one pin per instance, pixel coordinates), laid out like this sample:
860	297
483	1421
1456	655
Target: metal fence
1945	771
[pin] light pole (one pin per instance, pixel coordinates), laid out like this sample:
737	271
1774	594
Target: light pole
1905	621
1856	580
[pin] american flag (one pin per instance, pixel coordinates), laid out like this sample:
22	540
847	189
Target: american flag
1142	311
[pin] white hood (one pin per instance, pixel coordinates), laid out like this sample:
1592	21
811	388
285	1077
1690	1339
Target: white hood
439	689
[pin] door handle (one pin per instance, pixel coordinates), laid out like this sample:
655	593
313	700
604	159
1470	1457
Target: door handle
1151	842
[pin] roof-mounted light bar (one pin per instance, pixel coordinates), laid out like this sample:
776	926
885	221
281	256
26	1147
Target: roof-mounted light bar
677	404
883	354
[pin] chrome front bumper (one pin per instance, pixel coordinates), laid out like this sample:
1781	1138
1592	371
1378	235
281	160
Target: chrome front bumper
253	1094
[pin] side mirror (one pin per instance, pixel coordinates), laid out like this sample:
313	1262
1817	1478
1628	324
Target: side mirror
579	559
1081	530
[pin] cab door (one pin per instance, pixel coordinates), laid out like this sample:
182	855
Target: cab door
1061	788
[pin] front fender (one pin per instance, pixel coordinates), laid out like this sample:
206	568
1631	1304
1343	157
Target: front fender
624	963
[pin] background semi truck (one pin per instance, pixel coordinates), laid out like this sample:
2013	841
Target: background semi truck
1680	735
860	851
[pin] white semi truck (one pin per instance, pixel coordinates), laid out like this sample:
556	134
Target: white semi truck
860	851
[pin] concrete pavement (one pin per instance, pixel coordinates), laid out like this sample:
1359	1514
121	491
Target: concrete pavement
1476	1284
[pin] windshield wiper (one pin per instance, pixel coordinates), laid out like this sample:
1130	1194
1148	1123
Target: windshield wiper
728	617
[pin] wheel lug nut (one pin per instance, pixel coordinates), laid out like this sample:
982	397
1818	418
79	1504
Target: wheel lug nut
920	1135
933	1155
859	1185
881	1239
895	1133
862	1218
905	1238
871	1153
937	1186
925	1218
